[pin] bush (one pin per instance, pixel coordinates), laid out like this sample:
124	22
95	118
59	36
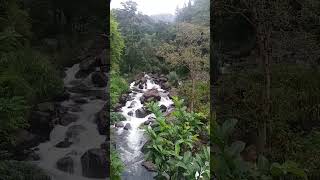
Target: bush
36	70
15	170
172	144
116	166
25	78
202	94
118	85
116	117
173	78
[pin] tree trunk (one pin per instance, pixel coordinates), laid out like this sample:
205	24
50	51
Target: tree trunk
264	55
192	93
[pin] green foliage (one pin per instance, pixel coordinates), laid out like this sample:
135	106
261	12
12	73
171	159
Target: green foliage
12	117
173	78
118	85
117	44
116	117
227	162
117	166
295	101
202	94
172	144
35	70
15	170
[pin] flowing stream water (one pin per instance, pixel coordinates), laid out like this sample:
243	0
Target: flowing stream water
130	142
86	135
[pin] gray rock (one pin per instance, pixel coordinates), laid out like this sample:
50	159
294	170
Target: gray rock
64	144
68	118
66	164
142	113
149	166
99	79
95	163
130	113
127	126
119	124
163	108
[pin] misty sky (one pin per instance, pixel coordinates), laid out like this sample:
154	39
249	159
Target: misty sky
151	7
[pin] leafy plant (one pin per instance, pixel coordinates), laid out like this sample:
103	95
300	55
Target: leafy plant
116	166
173	78
116	117
15	170
172	144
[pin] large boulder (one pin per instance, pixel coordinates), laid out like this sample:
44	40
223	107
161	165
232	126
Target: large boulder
66	164
127	126
123	99
64	144
142	112
95	163
26	140
41	124
88	64
151	95
102	121
99	79
68	118
80	88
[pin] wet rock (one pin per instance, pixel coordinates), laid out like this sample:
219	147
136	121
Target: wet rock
127	126
26	140
99	79
144	148
117	107
163	108
81	74
68	118
102	121
165	86
140	86
66	164
64	144
95	164
103	58
87	64
152	95
149	166
130	113
119	124
142	113
133	103
149	121
75	109
62	109
80	100
74	130
41	124
81	88
123	99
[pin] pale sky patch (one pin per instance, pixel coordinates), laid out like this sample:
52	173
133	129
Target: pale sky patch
151	7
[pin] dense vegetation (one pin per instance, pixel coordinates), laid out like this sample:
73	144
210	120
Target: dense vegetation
38	39
267	71
178	50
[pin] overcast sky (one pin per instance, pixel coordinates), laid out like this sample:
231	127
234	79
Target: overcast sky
151	7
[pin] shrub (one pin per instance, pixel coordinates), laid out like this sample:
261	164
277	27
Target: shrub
15	170
118	85
202	94
116	117
36	70
116	166
173	78
172	144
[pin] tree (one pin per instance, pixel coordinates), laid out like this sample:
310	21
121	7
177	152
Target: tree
117	44
189	49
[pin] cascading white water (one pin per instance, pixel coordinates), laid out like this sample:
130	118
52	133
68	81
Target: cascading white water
87	138
129	143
